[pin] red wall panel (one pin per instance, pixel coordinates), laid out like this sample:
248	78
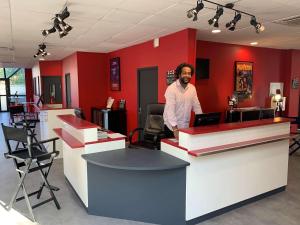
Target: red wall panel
173	50
92	78
28	85
213	92
69	65
51	68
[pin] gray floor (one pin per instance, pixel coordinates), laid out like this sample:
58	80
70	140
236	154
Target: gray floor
279	209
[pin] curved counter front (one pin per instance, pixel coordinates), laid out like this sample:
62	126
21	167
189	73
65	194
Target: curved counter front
137	184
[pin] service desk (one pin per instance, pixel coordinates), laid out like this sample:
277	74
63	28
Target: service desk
231	164
137	184
80	137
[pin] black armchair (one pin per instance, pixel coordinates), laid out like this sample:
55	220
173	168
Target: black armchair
153	131
31	157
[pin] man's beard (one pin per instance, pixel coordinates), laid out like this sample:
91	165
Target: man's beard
185	80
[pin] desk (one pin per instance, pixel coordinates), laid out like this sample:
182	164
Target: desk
231	164
137	184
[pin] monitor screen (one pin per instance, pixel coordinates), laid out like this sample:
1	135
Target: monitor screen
207	119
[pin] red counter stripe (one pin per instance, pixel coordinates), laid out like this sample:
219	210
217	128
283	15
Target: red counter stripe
76	122
68	138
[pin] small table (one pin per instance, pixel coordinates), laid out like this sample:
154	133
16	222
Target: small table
137	184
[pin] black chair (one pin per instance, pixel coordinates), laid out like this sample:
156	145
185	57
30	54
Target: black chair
20	118
153	131
79	113
295	141
31	157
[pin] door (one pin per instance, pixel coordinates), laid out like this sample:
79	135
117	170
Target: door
52	89
68	90
3	95
147	91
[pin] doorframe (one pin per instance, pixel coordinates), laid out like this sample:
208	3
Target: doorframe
138	88
7	87
68	75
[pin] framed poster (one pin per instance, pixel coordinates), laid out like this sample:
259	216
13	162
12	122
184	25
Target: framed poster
115	82
243	79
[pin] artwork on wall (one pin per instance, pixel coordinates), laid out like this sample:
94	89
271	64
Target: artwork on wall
171	77
115	82
243	79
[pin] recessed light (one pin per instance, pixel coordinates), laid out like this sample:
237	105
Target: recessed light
254	43
215	31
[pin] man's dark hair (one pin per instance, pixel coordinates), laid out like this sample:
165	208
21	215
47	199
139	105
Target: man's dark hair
179	69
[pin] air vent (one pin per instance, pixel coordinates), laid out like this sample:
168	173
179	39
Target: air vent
290	21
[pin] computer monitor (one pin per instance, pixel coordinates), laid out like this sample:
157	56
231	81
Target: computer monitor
207	119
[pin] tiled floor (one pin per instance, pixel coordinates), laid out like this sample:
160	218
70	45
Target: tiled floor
279	209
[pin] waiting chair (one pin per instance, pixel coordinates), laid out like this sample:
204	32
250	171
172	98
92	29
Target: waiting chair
33	156
153	131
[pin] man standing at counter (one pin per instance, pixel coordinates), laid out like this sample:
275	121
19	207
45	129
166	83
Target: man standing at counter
181	99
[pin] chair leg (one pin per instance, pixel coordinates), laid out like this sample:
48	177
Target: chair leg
49	187
296	142
22	177
28	203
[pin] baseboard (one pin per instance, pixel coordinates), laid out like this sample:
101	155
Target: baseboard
234	206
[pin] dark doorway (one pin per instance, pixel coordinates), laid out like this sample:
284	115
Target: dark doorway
68	90
147	91
52	89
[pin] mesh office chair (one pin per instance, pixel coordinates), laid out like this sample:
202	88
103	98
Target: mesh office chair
153	131
32	157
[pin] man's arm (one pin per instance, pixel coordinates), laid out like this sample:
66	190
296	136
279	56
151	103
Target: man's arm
196	104
170	108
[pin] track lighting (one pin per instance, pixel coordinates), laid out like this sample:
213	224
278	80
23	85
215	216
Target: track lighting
59	24
216	18
41	51
194	11
258	26
231	25
220	10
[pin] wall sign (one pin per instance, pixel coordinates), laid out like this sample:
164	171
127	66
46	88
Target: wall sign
295	83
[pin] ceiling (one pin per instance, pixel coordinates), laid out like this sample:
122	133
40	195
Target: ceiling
108	25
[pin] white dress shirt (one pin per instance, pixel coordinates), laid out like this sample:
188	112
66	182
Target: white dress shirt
179	104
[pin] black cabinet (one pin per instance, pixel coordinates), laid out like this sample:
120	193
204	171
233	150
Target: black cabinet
111	119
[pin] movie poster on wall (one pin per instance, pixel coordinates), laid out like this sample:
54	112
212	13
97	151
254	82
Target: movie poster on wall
243	79
115	82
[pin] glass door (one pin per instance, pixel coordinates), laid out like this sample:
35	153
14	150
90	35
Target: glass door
3	95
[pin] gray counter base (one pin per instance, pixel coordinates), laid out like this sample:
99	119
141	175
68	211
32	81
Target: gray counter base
147	196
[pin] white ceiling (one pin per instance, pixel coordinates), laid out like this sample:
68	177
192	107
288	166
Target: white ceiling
108	25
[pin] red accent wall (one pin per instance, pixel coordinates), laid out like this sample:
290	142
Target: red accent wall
51	68
173	50
69	65
213	92
92	80
28	85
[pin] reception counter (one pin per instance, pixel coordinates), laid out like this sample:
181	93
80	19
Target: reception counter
81	137
231	164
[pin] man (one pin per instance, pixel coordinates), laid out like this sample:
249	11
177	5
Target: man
181	99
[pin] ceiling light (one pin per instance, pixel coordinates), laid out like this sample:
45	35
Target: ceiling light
258	26
41	51
231	25
254	43
215	31
46	32
217	16
64	14
194	11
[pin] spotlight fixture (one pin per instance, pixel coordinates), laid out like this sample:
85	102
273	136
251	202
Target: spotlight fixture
64	14
66	26
258	26
220	9
46	32
216	18
61	32
231	25
41	51
194	11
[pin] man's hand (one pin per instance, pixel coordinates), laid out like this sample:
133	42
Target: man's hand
176	133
